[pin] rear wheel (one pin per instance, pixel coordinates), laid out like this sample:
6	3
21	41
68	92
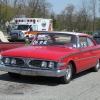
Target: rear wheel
97	67
14	75
68	76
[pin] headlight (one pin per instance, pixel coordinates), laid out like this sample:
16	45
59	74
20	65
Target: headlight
21	34
0	57
51	65
44	64
13	62
7	60
1	60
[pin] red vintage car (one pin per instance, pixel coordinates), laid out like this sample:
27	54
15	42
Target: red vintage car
53	54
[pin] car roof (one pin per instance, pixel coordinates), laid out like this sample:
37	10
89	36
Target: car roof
72	33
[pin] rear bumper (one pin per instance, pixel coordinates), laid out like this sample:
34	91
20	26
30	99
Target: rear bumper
33	72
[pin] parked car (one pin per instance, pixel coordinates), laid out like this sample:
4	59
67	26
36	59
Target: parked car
53	54
5	44
10	45
96	37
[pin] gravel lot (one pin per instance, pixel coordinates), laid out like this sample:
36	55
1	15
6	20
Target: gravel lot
84	86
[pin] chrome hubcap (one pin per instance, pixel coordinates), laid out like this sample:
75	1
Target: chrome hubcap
68	72
98	65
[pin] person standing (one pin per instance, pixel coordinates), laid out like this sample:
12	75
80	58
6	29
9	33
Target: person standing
8	29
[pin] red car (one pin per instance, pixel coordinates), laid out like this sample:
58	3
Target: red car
53	54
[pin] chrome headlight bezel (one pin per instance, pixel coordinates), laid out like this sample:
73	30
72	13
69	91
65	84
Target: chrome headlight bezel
7	60
44	64
13	61
1	59
51	65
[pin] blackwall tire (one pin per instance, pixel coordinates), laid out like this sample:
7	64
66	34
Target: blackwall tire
96	67
27	40
68	76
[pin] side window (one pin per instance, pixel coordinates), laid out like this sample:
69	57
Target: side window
35	28
90	42
83	41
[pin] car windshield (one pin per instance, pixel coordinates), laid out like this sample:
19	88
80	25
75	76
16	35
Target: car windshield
21	27
55	39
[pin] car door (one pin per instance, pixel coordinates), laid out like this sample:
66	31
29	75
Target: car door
95	51
84	57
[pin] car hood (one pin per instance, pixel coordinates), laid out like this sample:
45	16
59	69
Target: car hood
40	52
17	31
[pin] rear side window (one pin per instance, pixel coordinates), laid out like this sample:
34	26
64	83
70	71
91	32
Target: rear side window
90	42
63	39
85	41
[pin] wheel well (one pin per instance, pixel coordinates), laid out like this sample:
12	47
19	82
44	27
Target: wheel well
99	60
27	36
74	66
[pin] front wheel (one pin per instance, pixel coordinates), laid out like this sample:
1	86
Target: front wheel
27	40
14	75
68	76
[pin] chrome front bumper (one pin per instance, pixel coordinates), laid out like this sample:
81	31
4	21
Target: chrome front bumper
33	72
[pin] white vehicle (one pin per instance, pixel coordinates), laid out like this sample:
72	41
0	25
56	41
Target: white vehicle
29	24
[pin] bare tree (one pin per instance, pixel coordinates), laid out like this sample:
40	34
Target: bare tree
83	15
19	7
38	8
93	5
5	11
66	17
70	8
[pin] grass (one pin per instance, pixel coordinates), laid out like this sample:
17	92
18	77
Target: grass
5	33
27	44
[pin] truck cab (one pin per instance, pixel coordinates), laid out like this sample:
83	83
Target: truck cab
18	32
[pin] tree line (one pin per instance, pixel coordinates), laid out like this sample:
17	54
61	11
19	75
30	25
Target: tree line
82	18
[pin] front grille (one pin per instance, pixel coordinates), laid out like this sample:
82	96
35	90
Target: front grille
27	63
19	61
14	35
35	63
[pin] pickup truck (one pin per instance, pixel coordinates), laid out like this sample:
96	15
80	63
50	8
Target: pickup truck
10	45
96	37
